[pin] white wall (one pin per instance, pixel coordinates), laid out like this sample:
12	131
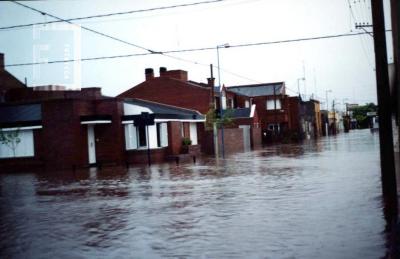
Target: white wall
193	133
132	109
223	102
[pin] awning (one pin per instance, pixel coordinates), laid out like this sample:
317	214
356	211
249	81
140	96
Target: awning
22	128
128	119
96	119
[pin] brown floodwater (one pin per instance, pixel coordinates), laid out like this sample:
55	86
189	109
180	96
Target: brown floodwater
311	200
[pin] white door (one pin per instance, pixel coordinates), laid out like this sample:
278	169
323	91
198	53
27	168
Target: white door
246	137
91	145
193	133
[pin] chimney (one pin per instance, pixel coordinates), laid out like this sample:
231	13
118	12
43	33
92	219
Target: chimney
149	73
176	74
163	70
1	61
210	82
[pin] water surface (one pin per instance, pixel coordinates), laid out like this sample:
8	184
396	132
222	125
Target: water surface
312	200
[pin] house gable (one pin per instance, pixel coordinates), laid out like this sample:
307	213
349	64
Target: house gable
172	91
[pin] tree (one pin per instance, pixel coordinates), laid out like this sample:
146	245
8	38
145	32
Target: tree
10	139
360	114
212	117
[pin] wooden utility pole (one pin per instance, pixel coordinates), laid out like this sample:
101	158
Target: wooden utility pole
395	12
388	173
214	105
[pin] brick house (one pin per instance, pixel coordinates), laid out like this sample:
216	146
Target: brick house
305	117
272	105
70	129
172	87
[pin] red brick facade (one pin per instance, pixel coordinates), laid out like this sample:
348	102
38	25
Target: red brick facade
173	88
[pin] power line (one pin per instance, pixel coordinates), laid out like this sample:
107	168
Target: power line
86	28
111	14
195	49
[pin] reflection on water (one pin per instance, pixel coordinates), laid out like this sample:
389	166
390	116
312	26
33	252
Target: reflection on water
315	200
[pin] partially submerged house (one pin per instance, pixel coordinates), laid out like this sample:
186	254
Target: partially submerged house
69	129
305	118
271	105
172	87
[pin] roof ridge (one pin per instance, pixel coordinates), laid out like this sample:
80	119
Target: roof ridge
255	85
163	104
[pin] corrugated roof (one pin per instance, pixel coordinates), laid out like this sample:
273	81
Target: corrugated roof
20	113
258	89
163	111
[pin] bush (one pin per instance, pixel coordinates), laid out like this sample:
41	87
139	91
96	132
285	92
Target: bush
186	142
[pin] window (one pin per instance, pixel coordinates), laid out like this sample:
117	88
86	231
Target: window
230	103
274	127
135	137
246	104
270	104
21	144
162	135
130	137
158	126
142	136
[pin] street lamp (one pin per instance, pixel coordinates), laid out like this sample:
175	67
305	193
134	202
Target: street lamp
327	114
226	45
327	102
298	84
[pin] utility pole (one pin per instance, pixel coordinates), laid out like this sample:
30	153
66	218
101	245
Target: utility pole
304	79
226	45
334	117
388	173
215	130
395	12
275	117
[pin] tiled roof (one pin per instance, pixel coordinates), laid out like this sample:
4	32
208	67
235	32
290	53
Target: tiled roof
258	89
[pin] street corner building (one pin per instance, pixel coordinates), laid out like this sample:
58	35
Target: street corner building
49	127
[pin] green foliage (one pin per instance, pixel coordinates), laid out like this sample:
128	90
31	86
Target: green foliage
211	118
186	142
360	114
10	139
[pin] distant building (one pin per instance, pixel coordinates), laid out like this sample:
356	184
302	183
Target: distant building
7	80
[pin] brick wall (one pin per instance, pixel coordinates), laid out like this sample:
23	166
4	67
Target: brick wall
110	139
173	92
174	138
256	138
233	140
140	156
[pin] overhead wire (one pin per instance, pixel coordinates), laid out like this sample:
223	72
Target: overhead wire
111	14
197	49
166	53
123	41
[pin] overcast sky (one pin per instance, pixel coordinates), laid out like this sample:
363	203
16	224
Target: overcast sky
344	65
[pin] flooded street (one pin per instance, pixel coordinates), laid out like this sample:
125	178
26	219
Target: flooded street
312	200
